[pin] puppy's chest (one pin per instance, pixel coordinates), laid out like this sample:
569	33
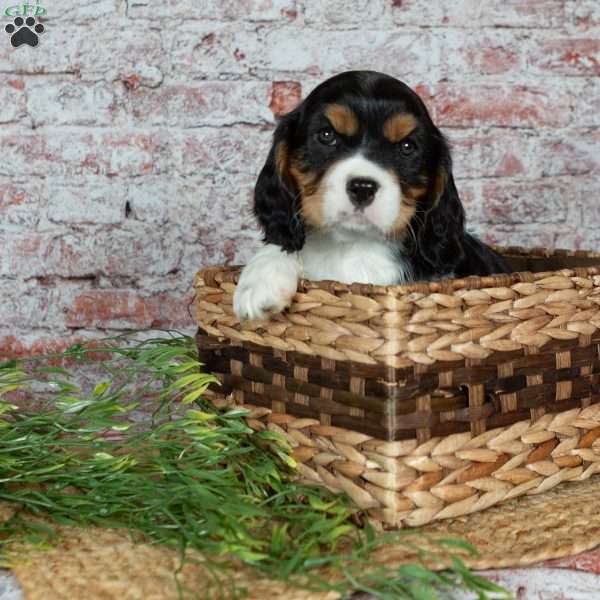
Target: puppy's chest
353	261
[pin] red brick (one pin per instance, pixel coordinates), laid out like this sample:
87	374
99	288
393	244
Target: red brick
529	236
568	56
460	105
485	52
130	252
494	153
122	309
528	203
473	13
12	346
133	252
584	14
12	99
35	301
587	561
574	152
58	152
285	96
212	103
22	254
10	195
18	84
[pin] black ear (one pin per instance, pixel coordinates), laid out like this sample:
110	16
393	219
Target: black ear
441	233
276	198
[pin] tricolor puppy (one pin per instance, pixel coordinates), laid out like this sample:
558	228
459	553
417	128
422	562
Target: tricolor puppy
357	187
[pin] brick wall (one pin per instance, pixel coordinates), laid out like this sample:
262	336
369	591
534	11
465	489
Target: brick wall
131	136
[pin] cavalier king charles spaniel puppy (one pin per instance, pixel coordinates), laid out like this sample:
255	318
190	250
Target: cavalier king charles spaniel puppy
357	187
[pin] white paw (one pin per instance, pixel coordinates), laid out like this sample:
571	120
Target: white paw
267	284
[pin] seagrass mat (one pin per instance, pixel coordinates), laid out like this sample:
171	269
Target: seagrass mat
105	564
101	564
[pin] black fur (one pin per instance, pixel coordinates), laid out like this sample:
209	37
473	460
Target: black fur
276	198
443	247
436	243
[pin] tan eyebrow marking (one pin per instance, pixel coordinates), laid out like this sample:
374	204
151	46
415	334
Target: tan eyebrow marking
398	126
342	118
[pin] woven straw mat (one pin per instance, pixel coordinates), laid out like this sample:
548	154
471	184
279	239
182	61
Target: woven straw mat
100	564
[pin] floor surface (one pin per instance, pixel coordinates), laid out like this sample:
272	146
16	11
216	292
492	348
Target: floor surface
576	578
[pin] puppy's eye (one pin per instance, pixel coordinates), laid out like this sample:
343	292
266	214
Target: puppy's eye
407	147
327	136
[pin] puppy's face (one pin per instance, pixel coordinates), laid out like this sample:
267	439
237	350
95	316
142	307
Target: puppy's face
360	153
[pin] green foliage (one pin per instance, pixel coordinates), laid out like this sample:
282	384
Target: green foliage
185	474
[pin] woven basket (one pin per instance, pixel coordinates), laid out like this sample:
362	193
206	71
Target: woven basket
424	401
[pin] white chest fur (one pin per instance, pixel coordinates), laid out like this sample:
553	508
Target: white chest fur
268	282
351	258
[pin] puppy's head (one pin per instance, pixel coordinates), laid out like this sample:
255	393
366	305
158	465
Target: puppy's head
360	154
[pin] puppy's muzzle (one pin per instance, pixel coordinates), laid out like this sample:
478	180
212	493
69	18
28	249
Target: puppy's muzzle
361	191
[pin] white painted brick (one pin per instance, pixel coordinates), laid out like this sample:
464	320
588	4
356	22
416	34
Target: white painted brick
192	205
474	13
22	203
58	101
109	47
170	105
223	10
86	203
81	10
197	104
366	13
208	50
12	99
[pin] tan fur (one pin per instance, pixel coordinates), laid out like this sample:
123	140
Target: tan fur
439	185
342	119
407	212
281	160
408	207
398	126
311	195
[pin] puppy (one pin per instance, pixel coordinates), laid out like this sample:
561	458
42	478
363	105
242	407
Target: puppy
357	187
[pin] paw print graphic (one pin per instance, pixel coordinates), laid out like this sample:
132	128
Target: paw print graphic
24	32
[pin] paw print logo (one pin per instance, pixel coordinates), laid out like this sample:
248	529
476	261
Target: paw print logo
24	32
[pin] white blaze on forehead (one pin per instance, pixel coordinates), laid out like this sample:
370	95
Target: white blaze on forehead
337	207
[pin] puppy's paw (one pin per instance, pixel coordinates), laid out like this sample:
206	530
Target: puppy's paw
266	286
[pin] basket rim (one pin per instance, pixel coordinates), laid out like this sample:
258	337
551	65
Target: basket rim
231	273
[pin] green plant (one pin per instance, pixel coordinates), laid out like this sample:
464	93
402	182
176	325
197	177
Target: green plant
183	473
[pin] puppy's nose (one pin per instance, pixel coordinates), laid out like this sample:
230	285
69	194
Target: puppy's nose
362	191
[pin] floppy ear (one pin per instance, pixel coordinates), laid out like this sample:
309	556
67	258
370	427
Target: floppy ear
440	239
276	198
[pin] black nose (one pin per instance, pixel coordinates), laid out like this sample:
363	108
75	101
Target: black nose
362	191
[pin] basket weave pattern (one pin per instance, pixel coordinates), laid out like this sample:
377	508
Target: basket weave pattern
406	483
424	401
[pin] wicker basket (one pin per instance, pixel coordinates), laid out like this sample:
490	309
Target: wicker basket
425	401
